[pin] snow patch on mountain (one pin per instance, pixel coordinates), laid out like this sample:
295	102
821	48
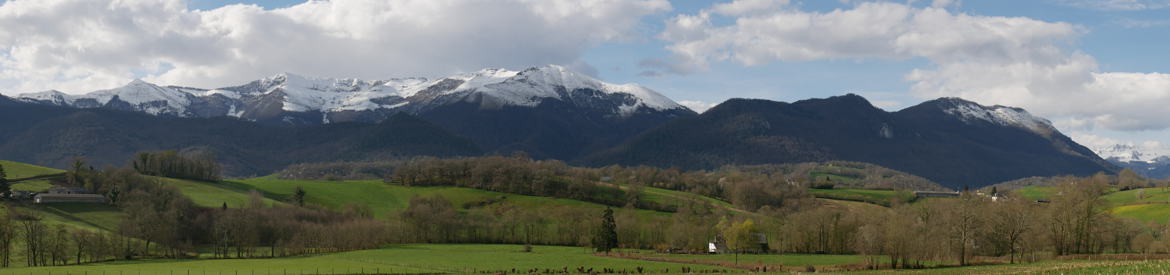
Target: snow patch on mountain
1000	115
51	96
303	94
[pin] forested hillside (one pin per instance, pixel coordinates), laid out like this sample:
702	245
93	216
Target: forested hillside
953	142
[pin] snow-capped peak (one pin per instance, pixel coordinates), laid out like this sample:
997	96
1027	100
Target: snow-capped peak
296	93
1002	115
1130	152
533	85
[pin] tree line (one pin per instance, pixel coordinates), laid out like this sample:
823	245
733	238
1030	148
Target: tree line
172	164
615	186
519	175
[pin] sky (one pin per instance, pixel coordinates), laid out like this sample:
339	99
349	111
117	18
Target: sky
1096	68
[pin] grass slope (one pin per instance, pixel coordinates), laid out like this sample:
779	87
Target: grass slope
1136	196
879	197
1145	204
17	170
213	194
83	216
404	259
1158	213
387	199
32	185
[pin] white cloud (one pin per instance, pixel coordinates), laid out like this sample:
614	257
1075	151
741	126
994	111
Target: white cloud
945	3
1013	61
746	7
1117	5
697	106
82	45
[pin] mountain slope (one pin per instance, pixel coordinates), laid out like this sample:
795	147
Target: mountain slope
549	111
950	141
52	136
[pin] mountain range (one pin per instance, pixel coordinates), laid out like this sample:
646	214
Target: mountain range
547	112
1148	161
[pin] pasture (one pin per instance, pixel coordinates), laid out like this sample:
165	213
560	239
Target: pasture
879	197
389	199
17	170
399	259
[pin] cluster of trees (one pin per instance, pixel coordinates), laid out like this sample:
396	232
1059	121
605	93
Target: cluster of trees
46	245
519	175
748	187
860	175
258	230
4	185
436	220
172	164
158	213
612	185
342	170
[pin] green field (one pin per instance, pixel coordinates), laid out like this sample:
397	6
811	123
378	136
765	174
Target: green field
767	259
1135	196
84	216
1048	267
676	198
1158	213
213	194
32	185
431	258
1036	192
388	199
881	197
16	170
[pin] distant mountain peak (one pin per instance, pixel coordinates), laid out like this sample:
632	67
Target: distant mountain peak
1130	152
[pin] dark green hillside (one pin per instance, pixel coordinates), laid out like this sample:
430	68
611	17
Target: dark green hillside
53	136
923	140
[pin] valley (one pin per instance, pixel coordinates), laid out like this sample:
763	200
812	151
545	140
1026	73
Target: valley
546	170
387	200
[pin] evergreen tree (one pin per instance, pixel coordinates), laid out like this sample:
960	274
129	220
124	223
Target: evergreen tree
299	196
606	238
4	187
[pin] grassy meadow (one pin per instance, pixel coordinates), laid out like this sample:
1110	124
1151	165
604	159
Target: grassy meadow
17	170
400	259
388	199
880	197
